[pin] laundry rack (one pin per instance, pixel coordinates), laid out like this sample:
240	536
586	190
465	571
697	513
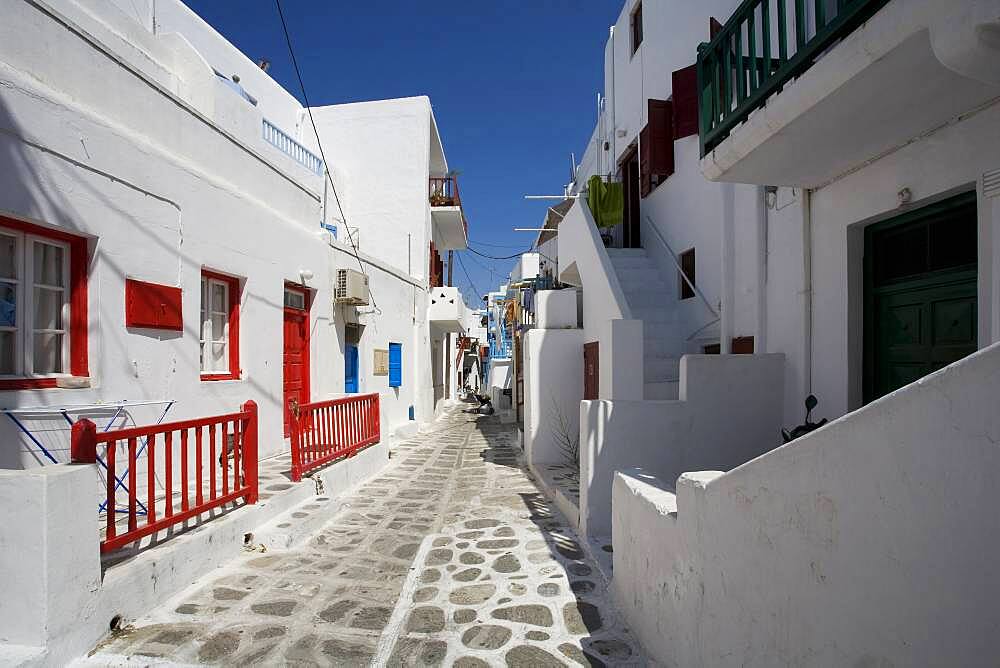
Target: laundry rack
120	408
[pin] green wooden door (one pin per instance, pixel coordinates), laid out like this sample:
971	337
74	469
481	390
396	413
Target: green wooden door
920	294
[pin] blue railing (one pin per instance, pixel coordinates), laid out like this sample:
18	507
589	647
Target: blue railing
500	349
296	151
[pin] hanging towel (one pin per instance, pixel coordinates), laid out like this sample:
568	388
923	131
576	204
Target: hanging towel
606	201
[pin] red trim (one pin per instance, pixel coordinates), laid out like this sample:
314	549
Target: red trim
27	383
234	326
79	264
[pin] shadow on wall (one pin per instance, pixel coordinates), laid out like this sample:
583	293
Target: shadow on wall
730	412
60	185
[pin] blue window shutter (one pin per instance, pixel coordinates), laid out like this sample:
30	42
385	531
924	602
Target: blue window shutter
351	369
395	364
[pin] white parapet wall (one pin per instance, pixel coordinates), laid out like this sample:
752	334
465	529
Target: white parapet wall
556	309
871	541
553	389
729	412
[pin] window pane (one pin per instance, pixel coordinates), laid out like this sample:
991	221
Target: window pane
8	256
7	347
218	327
204	299
219	301
48	264
294	299
48	309
48	353
220	360
8	304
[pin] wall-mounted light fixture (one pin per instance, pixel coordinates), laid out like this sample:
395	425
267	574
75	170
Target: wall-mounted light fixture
905	196
305	274
771	196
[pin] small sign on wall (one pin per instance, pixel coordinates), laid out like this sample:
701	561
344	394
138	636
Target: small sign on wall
381	362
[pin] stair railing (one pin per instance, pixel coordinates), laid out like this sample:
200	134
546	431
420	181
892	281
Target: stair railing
680	270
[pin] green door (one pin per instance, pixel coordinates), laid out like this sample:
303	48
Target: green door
920	285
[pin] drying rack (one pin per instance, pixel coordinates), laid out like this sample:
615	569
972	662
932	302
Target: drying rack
120	410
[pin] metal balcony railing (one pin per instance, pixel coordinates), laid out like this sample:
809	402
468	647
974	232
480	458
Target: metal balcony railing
443	191
296	151
764	45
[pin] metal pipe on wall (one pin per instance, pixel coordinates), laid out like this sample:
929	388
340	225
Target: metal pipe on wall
728	268
760	335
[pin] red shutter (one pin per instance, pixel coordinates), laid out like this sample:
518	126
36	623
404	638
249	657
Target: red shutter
152	305
685	98
591	375
656	145
714	27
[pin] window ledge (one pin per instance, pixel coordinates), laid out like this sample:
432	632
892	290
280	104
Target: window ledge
219	376
49	383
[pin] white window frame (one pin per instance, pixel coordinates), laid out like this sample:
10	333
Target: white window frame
208	338
24	294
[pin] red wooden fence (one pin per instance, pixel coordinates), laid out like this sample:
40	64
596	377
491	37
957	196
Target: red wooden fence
323	431
237	441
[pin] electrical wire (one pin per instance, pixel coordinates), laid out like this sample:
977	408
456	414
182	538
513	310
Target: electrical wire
479	294
312	121
504	257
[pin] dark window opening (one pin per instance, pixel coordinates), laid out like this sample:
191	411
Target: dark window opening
636	25
687	269
937	240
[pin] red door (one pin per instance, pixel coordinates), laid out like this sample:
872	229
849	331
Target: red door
295	360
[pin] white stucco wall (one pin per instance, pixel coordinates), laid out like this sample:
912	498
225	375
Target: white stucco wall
385	149
179	179
867	542
723	419
553	389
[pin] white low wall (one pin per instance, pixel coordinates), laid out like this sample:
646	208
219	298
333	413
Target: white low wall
57	603
729	412
553	389
872	541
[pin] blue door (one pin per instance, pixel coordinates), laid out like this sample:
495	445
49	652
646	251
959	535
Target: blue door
351	369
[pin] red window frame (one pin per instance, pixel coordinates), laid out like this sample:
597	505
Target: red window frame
79	364
234	325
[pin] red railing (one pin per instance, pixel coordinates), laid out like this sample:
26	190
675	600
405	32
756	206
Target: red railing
323	431
236	443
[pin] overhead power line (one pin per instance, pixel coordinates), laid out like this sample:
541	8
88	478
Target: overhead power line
479	294
319	143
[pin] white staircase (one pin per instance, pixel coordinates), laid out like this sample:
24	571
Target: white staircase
646	292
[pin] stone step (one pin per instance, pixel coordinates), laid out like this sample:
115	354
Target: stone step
625	252
661	391
651	295
655	316
640	278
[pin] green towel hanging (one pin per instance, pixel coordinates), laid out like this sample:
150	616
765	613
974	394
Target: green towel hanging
606	201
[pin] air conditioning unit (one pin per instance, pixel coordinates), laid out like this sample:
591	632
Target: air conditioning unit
351	288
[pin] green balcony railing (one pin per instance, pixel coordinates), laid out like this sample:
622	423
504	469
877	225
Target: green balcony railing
763	45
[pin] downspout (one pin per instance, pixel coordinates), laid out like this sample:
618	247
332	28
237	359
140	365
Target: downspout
760	336
807	301
614	103
727	310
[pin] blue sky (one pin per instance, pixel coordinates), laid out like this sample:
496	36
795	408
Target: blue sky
513	84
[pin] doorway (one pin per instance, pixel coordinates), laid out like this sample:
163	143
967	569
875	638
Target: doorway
632	196
921	311
295	359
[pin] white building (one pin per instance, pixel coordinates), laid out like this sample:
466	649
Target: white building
170	236
838	187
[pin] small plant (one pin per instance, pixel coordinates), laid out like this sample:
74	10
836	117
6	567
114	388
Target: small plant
567	439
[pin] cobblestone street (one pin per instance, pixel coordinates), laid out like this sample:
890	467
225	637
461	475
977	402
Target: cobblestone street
450	557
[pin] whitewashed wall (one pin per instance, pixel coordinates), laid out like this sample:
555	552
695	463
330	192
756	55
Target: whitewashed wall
864	543
722	420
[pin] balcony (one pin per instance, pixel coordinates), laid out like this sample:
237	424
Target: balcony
796	93
450	230
294	150
446	311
